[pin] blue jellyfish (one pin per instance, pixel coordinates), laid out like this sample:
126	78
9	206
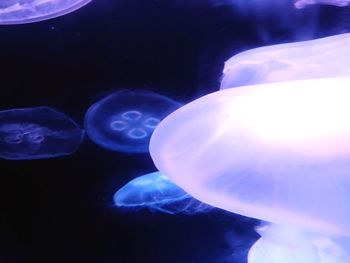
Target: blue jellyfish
278	152
125	120
320	58
28	11
37	133
157	192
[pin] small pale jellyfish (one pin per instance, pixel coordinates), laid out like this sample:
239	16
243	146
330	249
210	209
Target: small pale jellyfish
29	11
320	58
304	3
124	121
37	133
156	192
278	152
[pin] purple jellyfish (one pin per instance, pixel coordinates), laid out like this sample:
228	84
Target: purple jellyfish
278	152
29	11
320	58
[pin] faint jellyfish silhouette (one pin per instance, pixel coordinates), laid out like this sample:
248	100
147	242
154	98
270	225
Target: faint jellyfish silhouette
277	152
37	133
304	3
29	11
124	120
156	192
320	58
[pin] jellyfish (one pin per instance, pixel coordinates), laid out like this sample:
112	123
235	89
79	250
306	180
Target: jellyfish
29	11
284	244
125	120
320	58
278	152
37	133
156	192
304	3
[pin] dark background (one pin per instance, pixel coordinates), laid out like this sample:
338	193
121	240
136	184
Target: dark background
61	209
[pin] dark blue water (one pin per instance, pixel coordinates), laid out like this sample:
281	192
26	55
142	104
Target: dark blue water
61	209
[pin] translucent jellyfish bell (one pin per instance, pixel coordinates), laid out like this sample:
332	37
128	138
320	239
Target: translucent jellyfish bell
283	244
277	152
320	58
29	11
156	192
125	120
36	133
304	3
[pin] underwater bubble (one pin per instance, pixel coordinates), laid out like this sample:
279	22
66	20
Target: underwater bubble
124	121
156	192
29	11
320	58
37	133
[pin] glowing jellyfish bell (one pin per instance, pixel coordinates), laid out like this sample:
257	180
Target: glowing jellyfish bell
278	152
320	58
37	133
124	121
156	192
29	11
304	3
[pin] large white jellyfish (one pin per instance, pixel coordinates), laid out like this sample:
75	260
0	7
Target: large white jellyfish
278	152
321	58
29	11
